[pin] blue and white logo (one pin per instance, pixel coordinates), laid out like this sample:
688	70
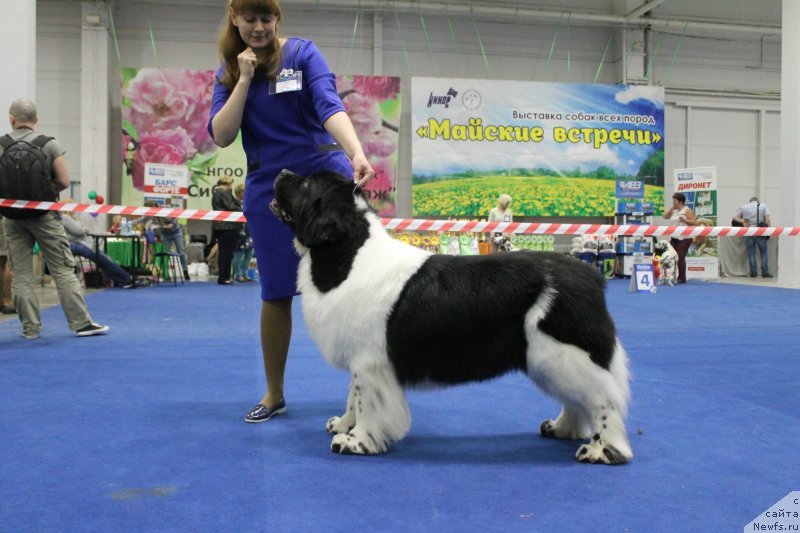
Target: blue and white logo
630	189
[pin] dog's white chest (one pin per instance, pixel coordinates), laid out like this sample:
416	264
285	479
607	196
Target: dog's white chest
351	318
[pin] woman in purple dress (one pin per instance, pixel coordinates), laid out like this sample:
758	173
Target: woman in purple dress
282	96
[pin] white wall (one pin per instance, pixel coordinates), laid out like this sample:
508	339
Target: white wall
720	90
58	72
18	25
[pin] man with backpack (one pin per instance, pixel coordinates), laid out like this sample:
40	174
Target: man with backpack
32	167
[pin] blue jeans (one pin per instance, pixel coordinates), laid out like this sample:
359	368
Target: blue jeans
241	262
176	238
106	265
761	243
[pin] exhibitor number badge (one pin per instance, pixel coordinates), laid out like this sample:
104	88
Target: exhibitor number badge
286	81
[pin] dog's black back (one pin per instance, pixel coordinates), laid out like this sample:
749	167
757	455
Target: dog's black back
467	314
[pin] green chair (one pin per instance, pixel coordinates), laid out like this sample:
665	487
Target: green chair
164	262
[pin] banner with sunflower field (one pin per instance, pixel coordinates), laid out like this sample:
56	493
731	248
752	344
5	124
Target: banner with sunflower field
165	115
557	149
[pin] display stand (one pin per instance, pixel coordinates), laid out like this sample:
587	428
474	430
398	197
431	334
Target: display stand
632	213
642	274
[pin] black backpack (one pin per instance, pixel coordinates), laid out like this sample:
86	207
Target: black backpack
25	175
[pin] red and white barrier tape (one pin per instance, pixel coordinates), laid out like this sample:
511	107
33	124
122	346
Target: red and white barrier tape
456	226
106	209
548	228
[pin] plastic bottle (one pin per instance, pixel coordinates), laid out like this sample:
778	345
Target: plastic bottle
252	271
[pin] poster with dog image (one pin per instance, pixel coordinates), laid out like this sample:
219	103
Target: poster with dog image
700	187
557	149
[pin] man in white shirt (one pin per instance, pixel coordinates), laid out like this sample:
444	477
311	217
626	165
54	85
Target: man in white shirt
754	214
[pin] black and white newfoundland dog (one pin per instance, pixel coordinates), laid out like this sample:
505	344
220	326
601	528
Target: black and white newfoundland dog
396	316
667	262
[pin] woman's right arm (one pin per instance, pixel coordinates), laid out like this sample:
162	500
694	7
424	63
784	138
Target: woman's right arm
227	122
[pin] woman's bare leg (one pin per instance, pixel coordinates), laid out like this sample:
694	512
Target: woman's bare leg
276	332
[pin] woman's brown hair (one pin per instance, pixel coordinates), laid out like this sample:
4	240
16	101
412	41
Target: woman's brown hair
231	43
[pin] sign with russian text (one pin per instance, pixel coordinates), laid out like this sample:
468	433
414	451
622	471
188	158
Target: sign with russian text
166	185
782	516
690	180
165	180
699	185
557	149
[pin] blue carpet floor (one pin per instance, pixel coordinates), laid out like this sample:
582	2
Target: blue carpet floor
142	429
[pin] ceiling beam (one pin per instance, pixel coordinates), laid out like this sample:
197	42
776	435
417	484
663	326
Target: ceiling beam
644	8
533	14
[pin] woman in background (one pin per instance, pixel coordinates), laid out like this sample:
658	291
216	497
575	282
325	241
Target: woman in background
680	215
225	233
501	213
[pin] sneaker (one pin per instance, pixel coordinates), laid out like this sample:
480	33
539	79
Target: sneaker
130	285
91	329
767	275
261	413
142	281
10	310
30	335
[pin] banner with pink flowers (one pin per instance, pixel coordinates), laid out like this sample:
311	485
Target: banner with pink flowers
373	104
164	117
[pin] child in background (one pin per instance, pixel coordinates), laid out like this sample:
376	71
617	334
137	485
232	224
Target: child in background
116	225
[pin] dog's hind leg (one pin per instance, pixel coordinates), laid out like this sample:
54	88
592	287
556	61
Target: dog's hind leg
595	398
380	410
609	443
346	422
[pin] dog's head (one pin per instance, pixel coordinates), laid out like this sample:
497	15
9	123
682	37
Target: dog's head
661	247
322	208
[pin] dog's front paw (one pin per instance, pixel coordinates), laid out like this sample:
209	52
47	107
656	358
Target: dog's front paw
351	444
337	425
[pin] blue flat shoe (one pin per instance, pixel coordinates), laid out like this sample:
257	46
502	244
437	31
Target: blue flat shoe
261	413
